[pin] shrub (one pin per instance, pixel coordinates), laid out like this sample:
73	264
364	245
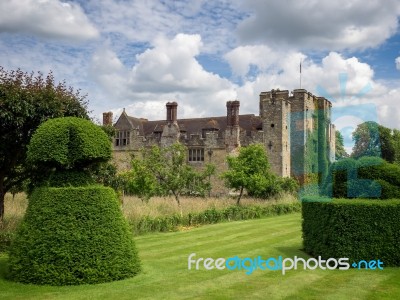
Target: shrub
211	216
5	240
67	143
67	178
72	236
356	229
367	177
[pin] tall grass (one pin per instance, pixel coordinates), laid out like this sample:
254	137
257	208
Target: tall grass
164	214
134	208
14	210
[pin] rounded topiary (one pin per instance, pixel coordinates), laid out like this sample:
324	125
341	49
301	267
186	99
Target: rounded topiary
73	236
73	231
366	177
68	143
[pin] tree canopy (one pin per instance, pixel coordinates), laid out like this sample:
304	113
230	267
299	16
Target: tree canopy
26	101
165	170
251	170
372	139
340	152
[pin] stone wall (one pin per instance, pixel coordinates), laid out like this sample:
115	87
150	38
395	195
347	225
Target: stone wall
289	134
275	113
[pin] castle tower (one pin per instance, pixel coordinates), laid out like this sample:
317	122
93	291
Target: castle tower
327	136
232	133
311	136
275	113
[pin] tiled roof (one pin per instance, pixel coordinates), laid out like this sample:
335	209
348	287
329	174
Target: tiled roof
248	122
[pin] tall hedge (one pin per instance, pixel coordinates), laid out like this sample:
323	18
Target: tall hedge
356	229
72	236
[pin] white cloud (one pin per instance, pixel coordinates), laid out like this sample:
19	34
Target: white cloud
46	18
341	80
171	66
319	25
168	71
397	62
142	21
242	58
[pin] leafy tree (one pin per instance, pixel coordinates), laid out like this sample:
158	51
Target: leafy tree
249	170
340	152
396	145
141	181
372	139
164	170
105	173
27	100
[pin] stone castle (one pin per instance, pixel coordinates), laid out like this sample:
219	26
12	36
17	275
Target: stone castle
295	129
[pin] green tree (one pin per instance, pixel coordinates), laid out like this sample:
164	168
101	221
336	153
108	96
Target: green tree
340	152
26	101
249	170
165	170
396	145
140	180
372	139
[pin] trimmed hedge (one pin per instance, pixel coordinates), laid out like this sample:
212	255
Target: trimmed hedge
67	143
356	229
211	216
71	236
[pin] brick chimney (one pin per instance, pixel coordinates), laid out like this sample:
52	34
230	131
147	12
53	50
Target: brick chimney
232	113
235	113
172	112
107	118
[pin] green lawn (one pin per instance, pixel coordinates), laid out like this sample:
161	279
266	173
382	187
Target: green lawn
165	274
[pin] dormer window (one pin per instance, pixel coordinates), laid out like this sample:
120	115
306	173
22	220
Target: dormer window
211	126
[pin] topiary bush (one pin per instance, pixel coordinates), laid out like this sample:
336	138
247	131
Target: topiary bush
73	231
68	143
73	236
367	177
356	229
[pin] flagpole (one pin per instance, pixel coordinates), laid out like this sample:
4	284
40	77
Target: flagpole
300	73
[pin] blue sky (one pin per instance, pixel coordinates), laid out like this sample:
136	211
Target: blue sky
142	54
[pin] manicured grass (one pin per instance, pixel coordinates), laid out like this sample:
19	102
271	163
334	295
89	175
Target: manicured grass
165	274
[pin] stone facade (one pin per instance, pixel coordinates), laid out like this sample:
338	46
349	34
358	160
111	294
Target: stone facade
295	129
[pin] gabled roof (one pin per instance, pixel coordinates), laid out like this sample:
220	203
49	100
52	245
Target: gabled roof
248	122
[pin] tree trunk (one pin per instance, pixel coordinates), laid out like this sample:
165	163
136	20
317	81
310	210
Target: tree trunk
2	195
240	196
179	202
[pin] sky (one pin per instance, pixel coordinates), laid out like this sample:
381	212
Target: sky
139	55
